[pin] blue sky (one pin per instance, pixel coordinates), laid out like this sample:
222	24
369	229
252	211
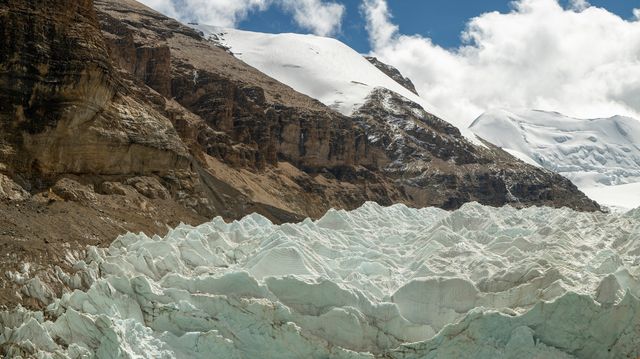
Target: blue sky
440	20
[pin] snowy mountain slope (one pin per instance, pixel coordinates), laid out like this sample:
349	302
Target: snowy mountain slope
618	198
323	68
599	151
598	155
359	284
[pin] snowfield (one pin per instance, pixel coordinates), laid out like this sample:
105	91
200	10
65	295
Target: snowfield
599	155
376	282
618	198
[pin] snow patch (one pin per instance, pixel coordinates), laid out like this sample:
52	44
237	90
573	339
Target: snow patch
619	198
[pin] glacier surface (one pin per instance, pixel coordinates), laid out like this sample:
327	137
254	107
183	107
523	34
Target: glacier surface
376	282
320	67
601	156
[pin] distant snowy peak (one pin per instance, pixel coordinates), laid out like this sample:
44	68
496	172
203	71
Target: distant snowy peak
323	68
604	151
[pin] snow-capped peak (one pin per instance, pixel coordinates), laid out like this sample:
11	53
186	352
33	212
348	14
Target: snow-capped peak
606	148
590	152
320	67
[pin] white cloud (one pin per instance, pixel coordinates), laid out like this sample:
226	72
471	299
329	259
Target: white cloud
582	61
579	5
379	26
318	16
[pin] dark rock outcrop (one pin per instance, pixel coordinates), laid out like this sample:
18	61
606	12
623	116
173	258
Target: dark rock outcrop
435	165
393	73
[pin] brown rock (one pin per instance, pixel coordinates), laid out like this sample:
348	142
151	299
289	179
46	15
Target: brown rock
149	187
9	190
70	190
114	188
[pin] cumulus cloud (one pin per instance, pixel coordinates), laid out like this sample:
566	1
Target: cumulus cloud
379	26
318	16
581	60
579	5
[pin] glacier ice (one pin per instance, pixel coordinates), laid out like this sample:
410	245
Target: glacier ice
600	151
390	282
600	156
320	67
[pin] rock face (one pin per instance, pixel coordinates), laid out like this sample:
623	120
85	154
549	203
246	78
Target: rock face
10	190
436	166
114	118
63	108
230	114
393	73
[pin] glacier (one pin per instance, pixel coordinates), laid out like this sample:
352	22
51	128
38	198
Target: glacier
320	67
600	156
375	282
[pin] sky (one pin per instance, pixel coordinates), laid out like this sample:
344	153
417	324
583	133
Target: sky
578	57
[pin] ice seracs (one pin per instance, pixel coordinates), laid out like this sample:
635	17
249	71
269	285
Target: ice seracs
476	282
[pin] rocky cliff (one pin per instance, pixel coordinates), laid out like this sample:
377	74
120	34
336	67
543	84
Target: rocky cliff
436	166
393	73
291	151
115	118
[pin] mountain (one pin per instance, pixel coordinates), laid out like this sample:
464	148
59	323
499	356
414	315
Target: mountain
598	155
435	162
115	118
322	68
393	73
